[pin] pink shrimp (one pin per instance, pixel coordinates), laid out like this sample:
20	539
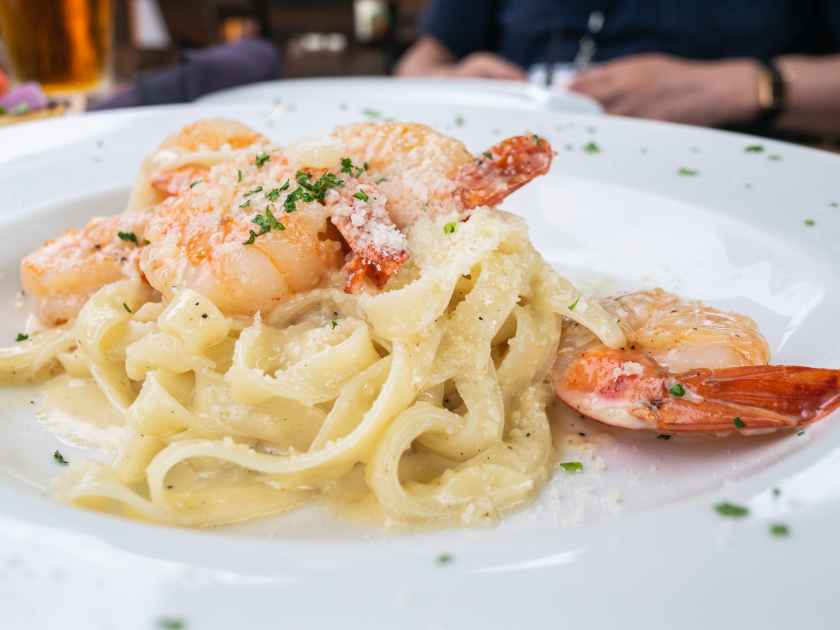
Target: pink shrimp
688	368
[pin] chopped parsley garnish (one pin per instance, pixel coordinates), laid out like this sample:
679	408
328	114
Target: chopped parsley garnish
572	467
195	183
459	121
127	308
239	176
445	558
574	304
779	530
449	228
810	222
361	196
261	159
372	113
245	204
488	155
333	324
171	623
21	337
266	223
128	236
256	190
663	436
754	148
591	147
381	179
677	390
740	424
731	510
2	111
687	172
274	193
348	167
537	140
59	458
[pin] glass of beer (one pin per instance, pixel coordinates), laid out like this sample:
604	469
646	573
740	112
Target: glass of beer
65	45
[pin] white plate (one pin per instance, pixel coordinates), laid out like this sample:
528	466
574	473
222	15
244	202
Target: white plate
404	91
733	234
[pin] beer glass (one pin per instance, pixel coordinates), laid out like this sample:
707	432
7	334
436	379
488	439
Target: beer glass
65	45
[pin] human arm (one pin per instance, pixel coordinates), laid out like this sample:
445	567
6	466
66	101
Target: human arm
716	93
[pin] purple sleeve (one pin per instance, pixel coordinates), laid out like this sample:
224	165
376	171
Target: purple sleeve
462	26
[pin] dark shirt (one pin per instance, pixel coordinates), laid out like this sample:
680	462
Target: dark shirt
533	31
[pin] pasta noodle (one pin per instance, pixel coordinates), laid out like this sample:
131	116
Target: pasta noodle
227	420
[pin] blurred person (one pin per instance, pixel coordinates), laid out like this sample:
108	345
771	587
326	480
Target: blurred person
767	66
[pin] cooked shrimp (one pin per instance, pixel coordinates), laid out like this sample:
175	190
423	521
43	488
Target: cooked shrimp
231	238
423	172
184	157
687	368
65	272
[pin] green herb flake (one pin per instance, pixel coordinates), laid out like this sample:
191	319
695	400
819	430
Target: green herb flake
572	467
127	308
333	324
687	172
731	510
21	337
754	148
810	222
537	140
740	424
361	196
380	180
371	113
256	190
245	204
239	176
677	390
351	169
261	159
449	228
266	222
663	436
592	148
127	236
488	155
251	238
171	623
59	458
274	193
3	111
195	183
574	304
445	558
779	530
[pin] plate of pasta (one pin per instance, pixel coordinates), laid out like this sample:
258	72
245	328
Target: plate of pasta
335	340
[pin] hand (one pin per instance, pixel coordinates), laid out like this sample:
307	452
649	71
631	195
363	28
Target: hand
663	87
485	65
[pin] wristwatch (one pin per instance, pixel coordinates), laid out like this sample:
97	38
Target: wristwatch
770	89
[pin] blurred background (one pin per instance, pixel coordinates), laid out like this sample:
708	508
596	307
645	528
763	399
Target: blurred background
770	67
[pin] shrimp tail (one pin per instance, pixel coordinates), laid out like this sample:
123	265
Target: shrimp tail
631	390
747	398
502	169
